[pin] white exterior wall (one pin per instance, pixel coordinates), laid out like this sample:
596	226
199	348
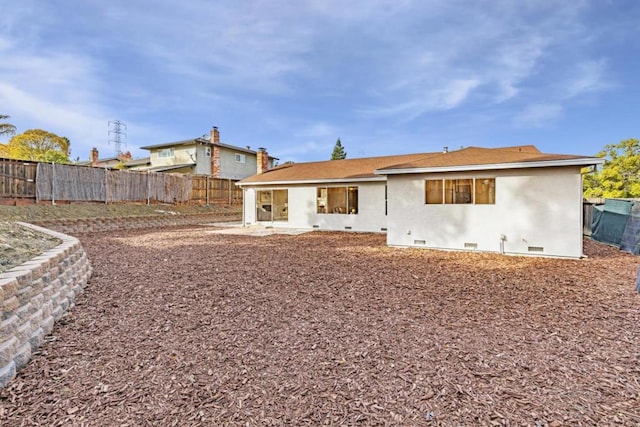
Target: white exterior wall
230	169
303	210
533	208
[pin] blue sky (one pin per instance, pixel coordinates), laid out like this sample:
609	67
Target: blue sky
385	76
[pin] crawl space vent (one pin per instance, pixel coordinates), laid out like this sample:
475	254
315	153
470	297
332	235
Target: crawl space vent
419	242
316	226
536	249
348	227
468	245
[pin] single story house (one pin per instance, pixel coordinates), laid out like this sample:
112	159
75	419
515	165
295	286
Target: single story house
512	200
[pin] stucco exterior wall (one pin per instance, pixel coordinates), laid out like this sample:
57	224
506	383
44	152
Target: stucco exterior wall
303	211
534	208
180	156
230	169
203	162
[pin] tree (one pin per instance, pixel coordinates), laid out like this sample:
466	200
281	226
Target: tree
338	151
37	145
620	174
6	128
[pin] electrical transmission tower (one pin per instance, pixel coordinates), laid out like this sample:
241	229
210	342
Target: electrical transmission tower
118	130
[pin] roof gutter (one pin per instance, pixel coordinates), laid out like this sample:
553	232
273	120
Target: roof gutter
585	161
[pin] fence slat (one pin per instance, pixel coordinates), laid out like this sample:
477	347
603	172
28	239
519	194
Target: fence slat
75	183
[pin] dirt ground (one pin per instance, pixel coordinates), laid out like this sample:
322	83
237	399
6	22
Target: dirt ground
19	244
183	327
45	211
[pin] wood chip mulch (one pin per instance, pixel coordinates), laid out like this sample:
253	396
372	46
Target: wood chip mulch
186	328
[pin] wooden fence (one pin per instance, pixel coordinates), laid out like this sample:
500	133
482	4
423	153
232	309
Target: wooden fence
206	190
36	182
17	179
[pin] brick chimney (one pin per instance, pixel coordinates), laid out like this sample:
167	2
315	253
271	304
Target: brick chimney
263	160
215	135
215	152
124	157
94	157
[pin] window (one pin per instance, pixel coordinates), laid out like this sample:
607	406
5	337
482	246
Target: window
337	200
479	191
485	191
434	191
165	153
207	151
240	158
457	191
272	205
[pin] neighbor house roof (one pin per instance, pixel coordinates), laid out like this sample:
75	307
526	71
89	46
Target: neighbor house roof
169	167
203	141
139	162
373	168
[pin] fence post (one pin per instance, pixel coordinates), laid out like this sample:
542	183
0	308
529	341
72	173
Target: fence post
106	187
229	189
53	183
207	189
148	189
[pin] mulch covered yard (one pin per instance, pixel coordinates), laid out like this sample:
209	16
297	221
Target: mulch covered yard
184	327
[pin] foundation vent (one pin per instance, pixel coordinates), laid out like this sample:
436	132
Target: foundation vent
468	245
383	229
348	227
537	249
419	242
316	226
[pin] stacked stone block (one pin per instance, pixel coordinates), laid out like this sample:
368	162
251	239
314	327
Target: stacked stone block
36	294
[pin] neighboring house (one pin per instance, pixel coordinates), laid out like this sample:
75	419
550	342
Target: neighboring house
208	156
105	162
513	200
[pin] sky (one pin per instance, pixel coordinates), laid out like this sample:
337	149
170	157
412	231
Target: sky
385	76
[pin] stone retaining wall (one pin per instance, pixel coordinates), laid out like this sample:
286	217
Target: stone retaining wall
73	226
34	295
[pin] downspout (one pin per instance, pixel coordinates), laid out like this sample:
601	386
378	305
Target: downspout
244	223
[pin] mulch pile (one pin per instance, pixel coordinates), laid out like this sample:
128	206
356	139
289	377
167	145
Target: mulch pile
184	327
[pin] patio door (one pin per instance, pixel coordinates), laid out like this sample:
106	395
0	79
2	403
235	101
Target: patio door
272	205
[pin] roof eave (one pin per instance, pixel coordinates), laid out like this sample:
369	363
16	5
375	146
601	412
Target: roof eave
313	181
585	161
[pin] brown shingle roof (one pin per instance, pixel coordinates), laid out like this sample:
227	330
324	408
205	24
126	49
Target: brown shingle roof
482	156
332	169
364	168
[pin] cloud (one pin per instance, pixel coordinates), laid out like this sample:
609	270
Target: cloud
450	96
538	115
588	77
317	130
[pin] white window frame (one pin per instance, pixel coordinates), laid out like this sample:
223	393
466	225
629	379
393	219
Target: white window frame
207	151
166	153
473	194
241	158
